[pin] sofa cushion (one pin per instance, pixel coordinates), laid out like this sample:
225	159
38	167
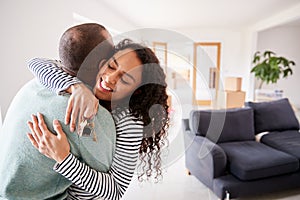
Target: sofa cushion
274	116
224	125
251	160
287	141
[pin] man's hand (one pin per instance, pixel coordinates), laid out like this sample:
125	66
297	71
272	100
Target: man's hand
82	105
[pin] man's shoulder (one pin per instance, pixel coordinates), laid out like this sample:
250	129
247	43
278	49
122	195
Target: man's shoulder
33	87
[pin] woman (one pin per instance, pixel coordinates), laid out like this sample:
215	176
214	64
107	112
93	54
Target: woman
131	85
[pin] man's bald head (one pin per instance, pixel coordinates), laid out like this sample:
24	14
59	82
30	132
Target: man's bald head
79	41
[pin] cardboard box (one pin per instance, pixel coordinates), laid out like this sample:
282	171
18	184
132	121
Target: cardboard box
233	84
231	99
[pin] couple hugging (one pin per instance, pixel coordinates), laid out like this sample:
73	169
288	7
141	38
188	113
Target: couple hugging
113	102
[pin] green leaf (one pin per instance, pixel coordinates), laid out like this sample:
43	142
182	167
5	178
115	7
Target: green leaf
286	72
273	61
256	57
292	63
268	54
284	61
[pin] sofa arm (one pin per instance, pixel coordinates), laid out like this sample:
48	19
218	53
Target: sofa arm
185	125
212	152
204	159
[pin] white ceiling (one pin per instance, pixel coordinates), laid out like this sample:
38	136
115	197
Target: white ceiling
179	14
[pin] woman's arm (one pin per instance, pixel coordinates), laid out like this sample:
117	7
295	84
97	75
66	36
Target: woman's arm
82	102
87	181
50	74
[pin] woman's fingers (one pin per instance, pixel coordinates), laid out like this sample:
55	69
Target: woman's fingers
71	114
61	146
42	125
90	111
54	146
80	118
45	131
32	140
58	129
69	111
34	127
39	130
40	143
33	134
82	105
74	116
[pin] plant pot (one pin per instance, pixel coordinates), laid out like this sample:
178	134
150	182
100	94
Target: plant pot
268	94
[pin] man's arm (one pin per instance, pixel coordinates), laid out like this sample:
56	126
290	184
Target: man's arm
50	74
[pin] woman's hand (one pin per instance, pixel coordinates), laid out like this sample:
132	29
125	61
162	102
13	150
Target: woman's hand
53	146
82	102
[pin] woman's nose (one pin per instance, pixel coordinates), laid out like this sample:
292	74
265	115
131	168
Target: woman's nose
111	78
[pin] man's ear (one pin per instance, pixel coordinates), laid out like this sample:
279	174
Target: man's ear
102	62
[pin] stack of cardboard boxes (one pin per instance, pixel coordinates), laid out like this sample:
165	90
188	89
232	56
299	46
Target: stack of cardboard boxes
232	96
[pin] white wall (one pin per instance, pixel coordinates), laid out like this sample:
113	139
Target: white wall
32	28
284	41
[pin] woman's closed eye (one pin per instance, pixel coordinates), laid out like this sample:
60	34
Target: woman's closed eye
110	66
123	79
127	78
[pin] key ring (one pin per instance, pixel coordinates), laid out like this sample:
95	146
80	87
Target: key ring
87	128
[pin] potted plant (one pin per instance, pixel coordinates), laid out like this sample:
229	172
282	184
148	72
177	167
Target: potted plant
268	67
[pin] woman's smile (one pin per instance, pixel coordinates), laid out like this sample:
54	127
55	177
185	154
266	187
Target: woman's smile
104	87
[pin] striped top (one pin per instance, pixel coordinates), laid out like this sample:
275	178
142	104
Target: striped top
51	75
87	182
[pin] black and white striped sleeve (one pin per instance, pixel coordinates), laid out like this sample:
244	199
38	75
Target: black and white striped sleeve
50	74
89	183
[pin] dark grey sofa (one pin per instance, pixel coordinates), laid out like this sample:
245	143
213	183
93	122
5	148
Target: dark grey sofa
221	150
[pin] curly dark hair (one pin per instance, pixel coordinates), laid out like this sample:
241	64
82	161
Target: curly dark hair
149	104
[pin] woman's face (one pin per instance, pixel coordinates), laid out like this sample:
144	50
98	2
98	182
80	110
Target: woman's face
119	76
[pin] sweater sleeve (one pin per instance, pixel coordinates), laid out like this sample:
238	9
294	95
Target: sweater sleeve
89	183
50	74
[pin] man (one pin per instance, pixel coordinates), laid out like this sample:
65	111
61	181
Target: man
24	172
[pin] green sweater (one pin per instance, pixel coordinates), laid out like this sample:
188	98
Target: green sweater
27	174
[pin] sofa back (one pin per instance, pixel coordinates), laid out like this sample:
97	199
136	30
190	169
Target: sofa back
275	115
226	125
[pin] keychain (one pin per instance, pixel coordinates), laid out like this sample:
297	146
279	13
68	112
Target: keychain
87	129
